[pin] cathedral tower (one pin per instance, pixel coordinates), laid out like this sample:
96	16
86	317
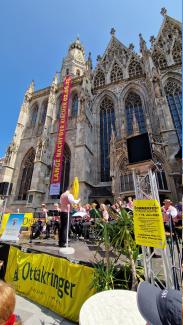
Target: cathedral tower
74	63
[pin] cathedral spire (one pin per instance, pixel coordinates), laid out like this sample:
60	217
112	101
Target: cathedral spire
30	91
152	40
31	86
55	79
74	63
143	46
89	62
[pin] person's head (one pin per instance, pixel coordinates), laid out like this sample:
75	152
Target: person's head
7	304
102	206
56	206
93	205
87	206
159	306
167	203
130	199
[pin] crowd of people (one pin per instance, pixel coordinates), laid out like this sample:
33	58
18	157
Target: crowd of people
83	216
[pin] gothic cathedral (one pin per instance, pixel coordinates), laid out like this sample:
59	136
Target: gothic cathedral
126	94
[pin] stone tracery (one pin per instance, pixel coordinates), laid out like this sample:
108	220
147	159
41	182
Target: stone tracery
116	73
134	114
177	52
159	60
99	79
134	68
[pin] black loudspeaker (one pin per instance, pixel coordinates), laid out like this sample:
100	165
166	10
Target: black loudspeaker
139	148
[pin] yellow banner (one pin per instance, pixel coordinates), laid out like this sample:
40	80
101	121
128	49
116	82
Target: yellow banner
148	224
51	281
28	221
4	222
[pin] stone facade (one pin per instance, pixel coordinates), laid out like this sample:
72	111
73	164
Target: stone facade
122	81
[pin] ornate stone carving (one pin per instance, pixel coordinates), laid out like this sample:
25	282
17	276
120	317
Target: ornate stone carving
143	47
123	167
135	68
42	151
131	46
99	58
156	83
116	73
11	149
29	92
99	79
163	11
39	148
113	31
152	40
53	90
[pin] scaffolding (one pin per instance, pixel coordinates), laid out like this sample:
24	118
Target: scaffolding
146	188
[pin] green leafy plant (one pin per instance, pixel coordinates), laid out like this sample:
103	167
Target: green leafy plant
123	240
117	236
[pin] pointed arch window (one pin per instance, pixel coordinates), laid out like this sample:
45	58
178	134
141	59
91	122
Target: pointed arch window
34	112
26	174
74	110
116	73
134	69
174	97
177	53
107	122
43	112
99	79
134	114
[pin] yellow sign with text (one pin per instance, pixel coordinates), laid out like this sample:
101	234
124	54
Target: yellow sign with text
148	224
28	221
51	281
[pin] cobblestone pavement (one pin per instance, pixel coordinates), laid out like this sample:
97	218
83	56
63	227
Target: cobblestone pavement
34	314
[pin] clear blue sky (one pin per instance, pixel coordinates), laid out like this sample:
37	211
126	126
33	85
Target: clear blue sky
35	35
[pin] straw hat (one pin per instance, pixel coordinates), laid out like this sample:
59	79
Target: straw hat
167	201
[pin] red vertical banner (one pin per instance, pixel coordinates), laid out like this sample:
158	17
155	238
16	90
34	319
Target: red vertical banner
59	148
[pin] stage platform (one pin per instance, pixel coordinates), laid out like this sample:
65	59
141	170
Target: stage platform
85	250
